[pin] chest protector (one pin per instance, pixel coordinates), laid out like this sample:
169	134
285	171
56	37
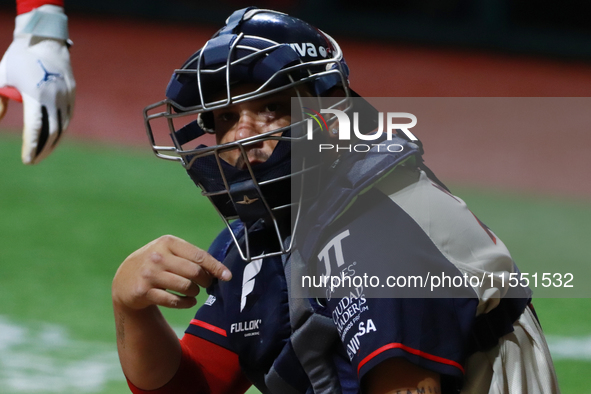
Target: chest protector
311	358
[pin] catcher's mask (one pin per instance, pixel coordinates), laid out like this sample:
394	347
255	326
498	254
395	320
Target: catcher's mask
270	52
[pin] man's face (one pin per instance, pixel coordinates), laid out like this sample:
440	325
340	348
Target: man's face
249	119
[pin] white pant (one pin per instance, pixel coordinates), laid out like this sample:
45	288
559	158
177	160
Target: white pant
519	364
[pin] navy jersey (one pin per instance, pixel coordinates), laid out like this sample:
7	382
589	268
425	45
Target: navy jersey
405	226
375	323
248	315
410	228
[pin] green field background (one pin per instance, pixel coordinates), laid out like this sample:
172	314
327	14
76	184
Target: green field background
66	225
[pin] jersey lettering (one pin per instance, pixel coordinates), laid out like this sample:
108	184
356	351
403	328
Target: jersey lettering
335	244
245	326
363	329
210	300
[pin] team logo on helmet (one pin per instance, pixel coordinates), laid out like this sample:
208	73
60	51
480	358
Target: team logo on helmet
309	49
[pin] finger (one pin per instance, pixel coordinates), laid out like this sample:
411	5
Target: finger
62	116
3	106
47	141
169	300
176	283
51	130
199	256
67	110
35	129
11	93
189	270
60	128
43	134
7	93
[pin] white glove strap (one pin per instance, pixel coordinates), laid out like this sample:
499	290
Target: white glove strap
46	21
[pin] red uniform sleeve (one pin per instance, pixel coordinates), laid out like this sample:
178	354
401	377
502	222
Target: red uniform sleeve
23	6
205	368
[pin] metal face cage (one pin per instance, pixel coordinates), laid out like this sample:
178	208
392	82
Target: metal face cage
257	195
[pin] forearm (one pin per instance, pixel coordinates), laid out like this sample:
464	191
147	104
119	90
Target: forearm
149	349
398	376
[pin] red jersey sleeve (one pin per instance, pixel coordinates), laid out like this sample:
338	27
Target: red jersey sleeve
23	6
205	368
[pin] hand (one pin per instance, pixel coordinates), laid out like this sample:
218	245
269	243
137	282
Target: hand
36	70
146	277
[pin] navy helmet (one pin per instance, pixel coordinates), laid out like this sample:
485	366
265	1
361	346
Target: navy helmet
271	52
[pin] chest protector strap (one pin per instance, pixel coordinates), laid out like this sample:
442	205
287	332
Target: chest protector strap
313	336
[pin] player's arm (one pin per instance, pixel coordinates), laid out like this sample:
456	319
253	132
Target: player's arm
36	71
396	375
149	350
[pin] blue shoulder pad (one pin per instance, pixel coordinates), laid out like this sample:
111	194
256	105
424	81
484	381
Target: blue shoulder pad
221	244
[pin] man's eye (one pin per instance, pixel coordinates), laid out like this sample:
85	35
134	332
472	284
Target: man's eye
272	107
226	116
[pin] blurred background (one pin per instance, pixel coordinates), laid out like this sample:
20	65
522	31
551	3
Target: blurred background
66	225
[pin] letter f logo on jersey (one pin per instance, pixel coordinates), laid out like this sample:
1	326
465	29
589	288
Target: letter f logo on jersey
250	271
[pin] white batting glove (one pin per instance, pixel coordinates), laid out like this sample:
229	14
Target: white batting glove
36	70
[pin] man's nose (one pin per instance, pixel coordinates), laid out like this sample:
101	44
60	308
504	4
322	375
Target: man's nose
246	126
